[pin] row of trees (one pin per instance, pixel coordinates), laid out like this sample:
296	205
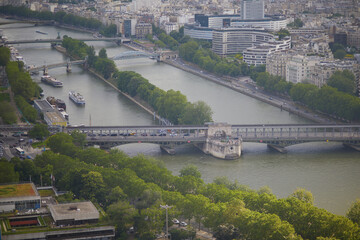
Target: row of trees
24	88
7	112
208	60
337	98
171	104
61	17
132	188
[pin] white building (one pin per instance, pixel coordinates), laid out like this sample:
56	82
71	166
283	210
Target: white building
252	9
257	55
299	68
229	41
269	23
169	27
276	62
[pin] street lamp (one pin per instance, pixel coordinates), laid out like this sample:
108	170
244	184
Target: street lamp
166	207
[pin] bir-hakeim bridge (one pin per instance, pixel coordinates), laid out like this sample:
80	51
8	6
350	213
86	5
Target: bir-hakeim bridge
220	140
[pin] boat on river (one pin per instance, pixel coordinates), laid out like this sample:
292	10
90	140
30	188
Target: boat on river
51	81
76	97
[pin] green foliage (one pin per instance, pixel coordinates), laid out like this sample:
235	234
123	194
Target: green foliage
339	54
283	33
123	215
354	212
39	131
7	112
109	31
132	188
102	53
171	104
4	56
79	138
196	113
27	110
181	234
343	81
296	24
7	172
303	195
190	170
338	102
206	59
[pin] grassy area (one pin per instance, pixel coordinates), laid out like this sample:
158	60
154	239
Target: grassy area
46	192
16	190
4	97
42	221
3	88
38	144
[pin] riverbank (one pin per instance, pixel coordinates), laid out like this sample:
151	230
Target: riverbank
92	71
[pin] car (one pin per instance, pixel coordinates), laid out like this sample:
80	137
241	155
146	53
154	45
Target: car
91	134
183	224
144	134
113	134
153	134
16	135
162	134
186	134
21	140
176	221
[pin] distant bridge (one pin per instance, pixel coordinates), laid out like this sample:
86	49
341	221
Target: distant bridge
117	40
55	65
135	54
121	56
214	138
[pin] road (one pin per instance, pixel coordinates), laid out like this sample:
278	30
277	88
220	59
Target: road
8	143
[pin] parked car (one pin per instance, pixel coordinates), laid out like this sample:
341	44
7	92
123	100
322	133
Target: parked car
176	221
183	224
144	134
187	134
153	134
162	134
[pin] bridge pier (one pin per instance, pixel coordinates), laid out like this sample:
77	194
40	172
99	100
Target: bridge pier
352	146
219	142
277	148
168	149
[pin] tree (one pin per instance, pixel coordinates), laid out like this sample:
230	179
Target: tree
102	53
4	56
7	112
62	143
190	170
7	172
196	113
303	195
354	212
39	131
93	186
79	138
343	81
339	54
122	215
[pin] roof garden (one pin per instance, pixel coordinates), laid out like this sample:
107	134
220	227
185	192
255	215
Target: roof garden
17	190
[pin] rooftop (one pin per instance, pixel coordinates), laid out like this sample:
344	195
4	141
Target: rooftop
17	190
77	211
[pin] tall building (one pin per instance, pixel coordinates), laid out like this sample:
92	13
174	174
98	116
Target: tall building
252	9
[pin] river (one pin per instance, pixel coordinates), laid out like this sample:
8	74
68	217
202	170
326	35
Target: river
328	170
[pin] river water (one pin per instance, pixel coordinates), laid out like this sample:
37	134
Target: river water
328	170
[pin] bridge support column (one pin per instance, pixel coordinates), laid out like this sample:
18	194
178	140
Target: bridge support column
230	149
352	146
277	148
170	150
